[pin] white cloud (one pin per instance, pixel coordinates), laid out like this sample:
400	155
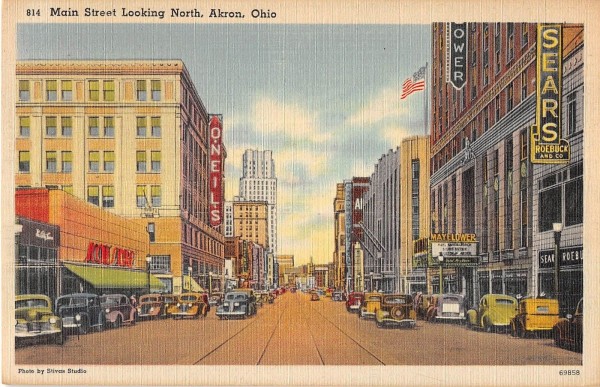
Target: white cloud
385	105
395	134
271	116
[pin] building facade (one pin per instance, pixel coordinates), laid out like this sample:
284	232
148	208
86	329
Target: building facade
130	137
339	244
482	178
285	261
354	191
259	183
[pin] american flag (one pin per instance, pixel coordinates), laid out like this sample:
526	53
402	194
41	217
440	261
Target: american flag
416	83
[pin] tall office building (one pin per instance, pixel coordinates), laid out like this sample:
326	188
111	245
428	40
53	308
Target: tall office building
258	183
132	138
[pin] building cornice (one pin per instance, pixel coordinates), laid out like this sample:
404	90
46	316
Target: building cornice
100	67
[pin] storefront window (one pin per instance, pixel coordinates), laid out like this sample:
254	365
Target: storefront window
574	202
550	211
516	282
497	282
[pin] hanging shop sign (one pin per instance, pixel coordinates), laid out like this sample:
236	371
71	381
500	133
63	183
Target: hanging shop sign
216	171
456	54
547	144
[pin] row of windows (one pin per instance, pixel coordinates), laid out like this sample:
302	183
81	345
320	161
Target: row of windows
95	89
94	161
94	129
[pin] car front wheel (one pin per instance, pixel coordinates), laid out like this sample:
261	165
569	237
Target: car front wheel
60	338
557	340
84	326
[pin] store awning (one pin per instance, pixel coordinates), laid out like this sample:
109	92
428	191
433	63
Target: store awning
115	278
190	285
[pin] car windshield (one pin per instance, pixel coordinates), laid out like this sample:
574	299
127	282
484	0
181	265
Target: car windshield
396	300
32	303
188	298
235	297
504	301
374	298
451	299
169	299
108	300
149	299
75	301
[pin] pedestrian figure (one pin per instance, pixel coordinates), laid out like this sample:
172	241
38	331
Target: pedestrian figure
133	301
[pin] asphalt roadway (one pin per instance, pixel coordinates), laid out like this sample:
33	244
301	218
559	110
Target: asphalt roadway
295	331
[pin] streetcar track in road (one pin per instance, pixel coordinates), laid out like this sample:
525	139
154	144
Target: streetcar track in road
314	340
270	337
347	335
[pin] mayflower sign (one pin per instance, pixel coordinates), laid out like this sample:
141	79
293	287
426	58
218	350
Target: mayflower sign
457	250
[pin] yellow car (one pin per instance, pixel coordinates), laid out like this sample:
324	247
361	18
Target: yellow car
191	305
534	315
35	319
493	312
370	304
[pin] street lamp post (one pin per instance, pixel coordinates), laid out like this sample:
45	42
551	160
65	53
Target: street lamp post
210	274
441	260
190	278
557	227
148	261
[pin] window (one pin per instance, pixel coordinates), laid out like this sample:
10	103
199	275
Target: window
141	90
155	86
66	89
509	98
497	62
572	113
140	196
94	129
155	195
68	189
524	34
23	90
51	90
94	90
155	161
523	85
66	126
109	90
67	161
108	196
141	127
24	161
497	111
574	204
510	41
109	161
51	161
93	195
51	126
94	161
156	132
160	263
524	148
24	128
551	211
140	161
109	126
486	119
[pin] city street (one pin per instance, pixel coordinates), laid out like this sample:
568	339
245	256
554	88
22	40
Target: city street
295	331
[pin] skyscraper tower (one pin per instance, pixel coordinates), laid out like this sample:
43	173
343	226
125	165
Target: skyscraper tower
258	183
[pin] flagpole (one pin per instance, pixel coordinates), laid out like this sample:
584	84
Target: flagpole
425	97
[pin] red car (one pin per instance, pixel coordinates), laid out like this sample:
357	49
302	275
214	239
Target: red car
354	301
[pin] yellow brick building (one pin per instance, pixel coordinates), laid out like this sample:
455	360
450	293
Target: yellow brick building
131	137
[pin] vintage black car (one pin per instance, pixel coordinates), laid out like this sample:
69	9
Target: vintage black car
396	309
568	331
80	311
237	304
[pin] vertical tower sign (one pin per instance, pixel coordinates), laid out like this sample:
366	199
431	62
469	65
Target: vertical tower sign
547	146
216	171
456	54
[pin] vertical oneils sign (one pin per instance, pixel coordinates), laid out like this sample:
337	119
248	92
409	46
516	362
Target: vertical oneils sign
216	171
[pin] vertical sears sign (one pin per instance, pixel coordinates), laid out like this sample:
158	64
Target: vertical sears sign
547	146
215	168
456	54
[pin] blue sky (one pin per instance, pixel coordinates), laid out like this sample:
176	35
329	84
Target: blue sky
324	98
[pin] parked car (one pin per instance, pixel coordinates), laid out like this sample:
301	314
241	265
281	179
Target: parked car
293	289
446	307
354	301
568	331
237	304
35	319
170	306
80	311
421	303
215	299
534	315
396	309
151	306
370	305
494	311
337	296
314	296
191	305
118	310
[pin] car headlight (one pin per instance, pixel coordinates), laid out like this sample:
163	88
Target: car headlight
152	309
226	304
236	304
178	304
52	320
107	310
190	304
77	317
166	305
139	310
